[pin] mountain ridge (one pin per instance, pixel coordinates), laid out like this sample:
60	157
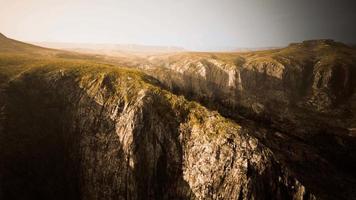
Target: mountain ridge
87	117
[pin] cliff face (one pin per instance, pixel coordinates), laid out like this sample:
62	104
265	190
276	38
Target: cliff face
306	90
303	94
281	85
110	133
75	129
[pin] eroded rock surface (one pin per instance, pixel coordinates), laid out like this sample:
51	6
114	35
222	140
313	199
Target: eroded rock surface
115	135
71	128
303	94
289	85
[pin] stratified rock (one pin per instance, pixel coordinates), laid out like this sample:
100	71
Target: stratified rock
113	134
280	86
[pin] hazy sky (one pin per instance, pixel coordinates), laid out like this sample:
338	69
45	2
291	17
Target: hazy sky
192	24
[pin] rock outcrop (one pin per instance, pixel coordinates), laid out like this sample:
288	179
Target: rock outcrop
77	129
279	86
304	93
114	134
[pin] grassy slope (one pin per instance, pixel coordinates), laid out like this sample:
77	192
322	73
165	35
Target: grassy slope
17	57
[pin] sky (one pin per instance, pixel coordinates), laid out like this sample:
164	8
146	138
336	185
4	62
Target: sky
191	24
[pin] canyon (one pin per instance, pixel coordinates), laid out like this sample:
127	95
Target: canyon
271	124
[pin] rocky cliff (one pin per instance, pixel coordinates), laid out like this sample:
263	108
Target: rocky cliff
304	92
72	127
73	131
314	77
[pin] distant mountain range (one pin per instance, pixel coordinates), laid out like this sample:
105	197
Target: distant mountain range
110	48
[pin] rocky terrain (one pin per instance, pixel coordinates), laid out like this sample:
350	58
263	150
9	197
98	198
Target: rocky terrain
276	85
264	125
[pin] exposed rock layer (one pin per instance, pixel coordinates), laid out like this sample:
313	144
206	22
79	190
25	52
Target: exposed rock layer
78	130
305	93
114	135
313	77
